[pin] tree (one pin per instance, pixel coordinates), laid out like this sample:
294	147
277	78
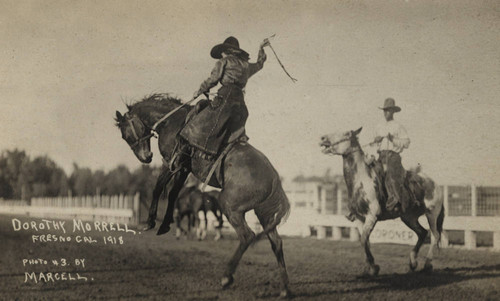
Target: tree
118	181
81	181
13	174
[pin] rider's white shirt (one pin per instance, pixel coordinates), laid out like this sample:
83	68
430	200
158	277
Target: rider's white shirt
400	136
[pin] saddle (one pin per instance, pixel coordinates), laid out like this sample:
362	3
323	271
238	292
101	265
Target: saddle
203	164
413	183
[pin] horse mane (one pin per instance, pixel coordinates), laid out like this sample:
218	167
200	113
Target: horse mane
159	100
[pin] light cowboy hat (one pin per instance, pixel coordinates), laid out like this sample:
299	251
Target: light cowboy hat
390	104
229	43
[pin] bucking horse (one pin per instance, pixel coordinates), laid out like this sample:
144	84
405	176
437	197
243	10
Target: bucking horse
247	179
367	197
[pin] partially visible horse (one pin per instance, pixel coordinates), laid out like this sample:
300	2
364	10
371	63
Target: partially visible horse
211	204
367	197
190	202
246	177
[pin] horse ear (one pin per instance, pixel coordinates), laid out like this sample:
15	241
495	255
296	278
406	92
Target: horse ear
356	132
119	116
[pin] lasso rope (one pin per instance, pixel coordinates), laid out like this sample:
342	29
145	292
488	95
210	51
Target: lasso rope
279	61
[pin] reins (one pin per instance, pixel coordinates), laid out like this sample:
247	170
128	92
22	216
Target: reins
170	114
352	151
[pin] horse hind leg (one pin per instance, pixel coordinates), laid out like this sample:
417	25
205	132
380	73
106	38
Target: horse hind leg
197	225
435	219
246	236
205	226
412	222
178	228
277	246
218	229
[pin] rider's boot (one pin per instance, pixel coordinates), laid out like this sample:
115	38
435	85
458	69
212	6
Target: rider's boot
351	216
181	156
392	201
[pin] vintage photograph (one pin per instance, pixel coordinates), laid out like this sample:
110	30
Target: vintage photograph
249	150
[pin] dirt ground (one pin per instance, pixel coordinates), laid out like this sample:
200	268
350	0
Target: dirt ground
150	267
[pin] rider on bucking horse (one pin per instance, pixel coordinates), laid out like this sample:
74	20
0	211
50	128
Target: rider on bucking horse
222	121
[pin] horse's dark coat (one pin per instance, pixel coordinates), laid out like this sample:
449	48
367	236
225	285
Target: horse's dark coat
250	181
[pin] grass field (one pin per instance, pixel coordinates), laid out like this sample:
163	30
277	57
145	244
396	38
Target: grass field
150	267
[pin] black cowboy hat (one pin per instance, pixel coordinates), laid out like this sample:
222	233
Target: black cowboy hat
229	43
390	104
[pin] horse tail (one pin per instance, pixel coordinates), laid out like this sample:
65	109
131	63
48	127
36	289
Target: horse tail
281	207
439	224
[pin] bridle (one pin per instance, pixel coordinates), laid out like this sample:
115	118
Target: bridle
357	149
137	138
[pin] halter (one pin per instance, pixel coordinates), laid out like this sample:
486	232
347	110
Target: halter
137	139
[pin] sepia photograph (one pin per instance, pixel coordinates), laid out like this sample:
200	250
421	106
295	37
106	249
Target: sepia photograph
249	150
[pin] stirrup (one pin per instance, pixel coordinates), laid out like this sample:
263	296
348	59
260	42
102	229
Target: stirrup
172	161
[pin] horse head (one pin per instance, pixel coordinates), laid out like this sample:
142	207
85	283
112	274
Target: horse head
340	143
136	134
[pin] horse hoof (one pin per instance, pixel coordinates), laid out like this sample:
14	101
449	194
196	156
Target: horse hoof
370	271
163	229
285	294
413	266
149	226
226	281
427	267
373	270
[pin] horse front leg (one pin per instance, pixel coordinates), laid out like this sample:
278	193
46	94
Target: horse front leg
173	188
365	230
220	219
161	182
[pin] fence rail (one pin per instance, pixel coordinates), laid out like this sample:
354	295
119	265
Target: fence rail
470	210
119	208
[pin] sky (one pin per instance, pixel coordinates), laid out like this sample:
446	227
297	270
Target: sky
67	66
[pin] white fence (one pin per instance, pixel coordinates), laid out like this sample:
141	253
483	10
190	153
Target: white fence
120	208
470	211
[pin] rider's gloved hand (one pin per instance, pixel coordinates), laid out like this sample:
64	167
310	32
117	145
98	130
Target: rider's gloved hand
378	139
264	43
196	94
200	105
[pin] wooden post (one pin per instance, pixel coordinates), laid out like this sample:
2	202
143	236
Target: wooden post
322	199
444	239
321	230
339	200
136	208
120	202
473	199
470	239
336	233
496	240
353	234
305	231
